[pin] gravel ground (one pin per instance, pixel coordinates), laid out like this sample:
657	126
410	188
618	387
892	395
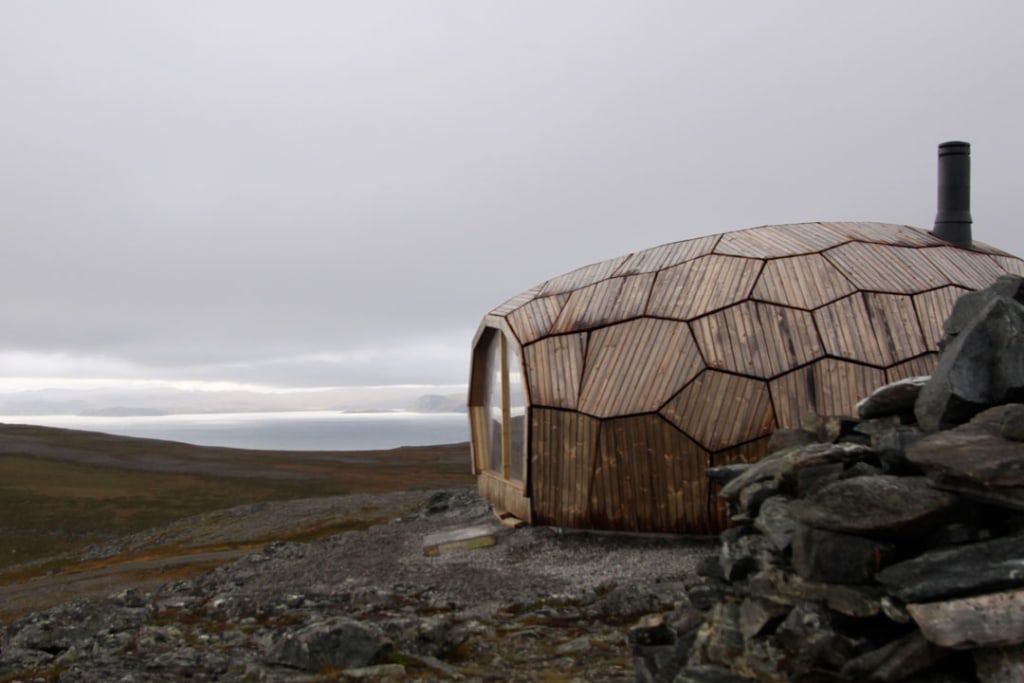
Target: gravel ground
525	564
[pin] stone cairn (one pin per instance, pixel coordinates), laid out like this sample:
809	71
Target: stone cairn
884	548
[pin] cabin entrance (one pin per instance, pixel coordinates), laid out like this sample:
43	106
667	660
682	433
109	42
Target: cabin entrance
497	404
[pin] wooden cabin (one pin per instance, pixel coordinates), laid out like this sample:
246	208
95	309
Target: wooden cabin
598	398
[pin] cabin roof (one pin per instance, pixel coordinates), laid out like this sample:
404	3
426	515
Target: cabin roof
740	314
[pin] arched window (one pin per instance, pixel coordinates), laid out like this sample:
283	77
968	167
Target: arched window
500	408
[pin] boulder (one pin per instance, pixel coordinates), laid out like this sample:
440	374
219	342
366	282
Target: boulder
968	305
982	367
883	505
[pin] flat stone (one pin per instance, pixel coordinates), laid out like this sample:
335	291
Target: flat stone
976	451
999	665
982	367
820	555
467	538
776	464
992	620
853	601
894	661
723	474
960	570
895	398
884	504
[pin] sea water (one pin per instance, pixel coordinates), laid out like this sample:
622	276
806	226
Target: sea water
292	431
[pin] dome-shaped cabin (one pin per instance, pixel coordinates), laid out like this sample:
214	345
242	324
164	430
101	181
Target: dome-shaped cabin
598	398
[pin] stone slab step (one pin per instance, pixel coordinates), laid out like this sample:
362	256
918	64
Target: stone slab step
466	538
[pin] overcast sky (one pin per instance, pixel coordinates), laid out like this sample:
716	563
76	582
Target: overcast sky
302	194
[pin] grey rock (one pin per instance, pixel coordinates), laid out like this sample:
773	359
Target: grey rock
970	304
779	464
745	554
891	446
1012	425
753	495
894	661
982	367
820	555
990	620
851	600
776	522
339	642
896	398
994	461
723	474
961	570
885	504
999	664
758	615
809	633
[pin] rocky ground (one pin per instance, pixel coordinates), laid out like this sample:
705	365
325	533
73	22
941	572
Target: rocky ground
539	605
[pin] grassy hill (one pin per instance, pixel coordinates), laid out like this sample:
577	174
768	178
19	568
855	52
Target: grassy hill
62	490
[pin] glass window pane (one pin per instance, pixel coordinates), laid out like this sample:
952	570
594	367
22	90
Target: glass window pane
493	404
517	418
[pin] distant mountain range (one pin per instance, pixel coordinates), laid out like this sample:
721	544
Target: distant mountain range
436	403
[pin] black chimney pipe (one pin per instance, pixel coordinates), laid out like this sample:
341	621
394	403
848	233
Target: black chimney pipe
953	219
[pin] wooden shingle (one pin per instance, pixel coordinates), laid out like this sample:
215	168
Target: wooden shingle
877	329
686	291
883	268
805	282
772	241
608	301
559	361
657	258
634	367
718	410
757	340
533	320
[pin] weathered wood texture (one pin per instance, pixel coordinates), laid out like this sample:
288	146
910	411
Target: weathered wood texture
758	340
683	292
802	281
639	369
564	445
505	494
932	310
719	409
634	367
